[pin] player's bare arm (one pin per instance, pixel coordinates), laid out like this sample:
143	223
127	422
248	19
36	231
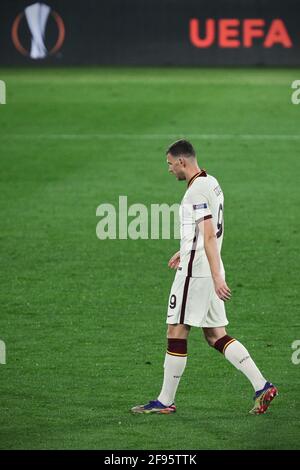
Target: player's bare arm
213	256
174	261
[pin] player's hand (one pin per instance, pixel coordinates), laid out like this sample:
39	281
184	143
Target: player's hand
174	261
221	288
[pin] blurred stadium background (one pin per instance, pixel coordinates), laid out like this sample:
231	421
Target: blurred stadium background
95	92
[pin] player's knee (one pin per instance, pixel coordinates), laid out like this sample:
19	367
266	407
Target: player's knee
211	340
212	335
178	331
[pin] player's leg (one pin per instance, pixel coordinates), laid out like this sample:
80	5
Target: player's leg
178	320
236	353
174	365
176	356
175	362
188	305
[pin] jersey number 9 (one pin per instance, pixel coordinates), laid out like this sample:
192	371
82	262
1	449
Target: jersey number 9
173	301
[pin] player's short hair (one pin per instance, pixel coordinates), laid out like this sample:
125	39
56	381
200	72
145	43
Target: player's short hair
181	147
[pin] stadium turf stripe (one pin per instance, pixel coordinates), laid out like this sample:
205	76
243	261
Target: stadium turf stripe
155	136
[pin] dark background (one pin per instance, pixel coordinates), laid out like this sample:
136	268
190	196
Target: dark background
149	32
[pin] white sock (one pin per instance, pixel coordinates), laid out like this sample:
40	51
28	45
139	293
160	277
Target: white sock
174	367
238	355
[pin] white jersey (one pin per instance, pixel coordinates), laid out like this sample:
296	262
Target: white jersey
203	199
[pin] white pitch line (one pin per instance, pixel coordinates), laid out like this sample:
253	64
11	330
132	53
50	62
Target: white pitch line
154	136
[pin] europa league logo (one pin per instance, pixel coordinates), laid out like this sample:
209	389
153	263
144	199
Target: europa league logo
37	16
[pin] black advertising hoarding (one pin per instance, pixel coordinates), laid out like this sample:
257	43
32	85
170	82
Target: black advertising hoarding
150	32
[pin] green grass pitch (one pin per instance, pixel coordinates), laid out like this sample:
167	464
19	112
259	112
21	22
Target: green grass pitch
83	320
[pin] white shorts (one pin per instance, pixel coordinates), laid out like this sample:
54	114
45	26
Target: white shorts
193	301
